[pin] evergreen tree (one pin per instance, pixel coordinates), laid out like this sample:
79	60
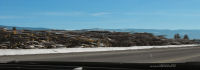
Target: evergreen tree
177	36
186	37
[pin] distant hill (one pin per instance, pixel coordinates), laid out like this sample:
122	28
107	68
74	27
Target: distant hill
193	34
27	28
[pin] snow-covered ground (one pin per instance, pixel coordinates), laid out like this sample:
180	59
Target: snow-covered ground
70	50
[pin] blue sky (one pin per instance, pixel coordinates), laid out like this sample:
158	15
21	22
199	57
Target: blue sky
113	14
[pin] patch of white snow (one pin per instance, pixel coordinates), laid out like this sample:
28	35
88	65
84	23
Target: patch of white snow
71	50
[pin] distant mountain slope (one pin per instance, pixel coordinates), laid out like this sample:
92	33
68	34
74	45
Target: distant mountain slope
193	34
20	28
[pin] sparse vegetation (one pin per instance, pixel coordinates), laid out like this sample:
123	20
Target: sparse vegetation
28	39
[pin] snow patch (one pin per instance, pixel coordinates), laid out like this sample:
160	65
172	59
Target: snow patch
71	50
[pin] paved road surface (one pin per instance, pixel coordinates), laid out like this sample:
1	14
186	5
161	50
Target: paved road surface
164	55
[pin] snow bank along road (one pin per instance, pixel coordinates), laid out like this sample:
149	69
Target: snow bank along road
71	50
155	55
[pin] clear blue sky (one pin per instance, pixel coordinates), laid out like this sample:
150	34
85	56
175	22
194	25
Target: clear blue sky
83	14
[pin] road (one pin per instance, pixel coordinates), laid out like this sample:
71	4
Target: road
161	55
